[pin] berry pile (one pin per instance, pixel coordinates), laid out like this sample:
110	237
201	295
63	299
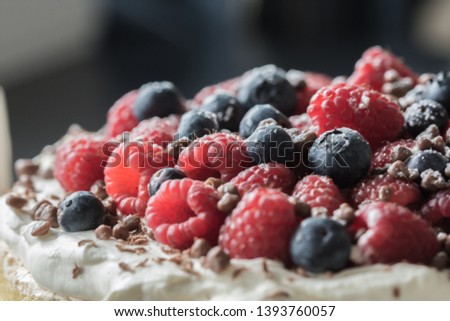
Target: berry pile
290	166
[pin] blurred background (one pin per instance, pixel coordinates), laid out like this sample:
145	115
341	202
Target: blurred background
64	62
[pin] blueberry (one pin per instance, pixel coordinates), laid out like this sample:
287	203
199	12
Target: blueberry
267	85
227	108
342	154
424	113
197	123
320	244
428	159
270	144
439	90
81	211
259	113
158	99
163	175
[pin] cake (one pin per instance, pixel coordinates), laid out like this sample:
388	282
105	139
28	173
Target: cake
270	186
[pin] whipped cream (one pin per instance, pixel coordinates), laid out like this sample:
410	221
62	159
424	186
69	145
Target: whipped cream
44	266
5	146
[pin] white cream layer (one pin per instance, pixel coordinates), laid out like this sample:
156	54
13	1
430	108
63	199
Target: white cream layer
51	259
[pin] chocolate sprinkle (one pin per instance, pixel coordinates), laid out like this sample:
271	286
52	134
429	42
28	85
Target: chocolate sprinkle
103	232
217	260
15	201
45	211
199	248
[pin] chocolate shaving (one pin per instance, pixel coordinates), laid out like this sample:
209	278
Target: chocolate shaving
25	167
45	211
99	190
40	229
168	250
120	232
214	182
132	222
217	260
265	267
396	292
84	242
228	202
238	272
142	264
199	248
278	295
15	201
76	271
159	260
139	239
135	250
103	232
125	267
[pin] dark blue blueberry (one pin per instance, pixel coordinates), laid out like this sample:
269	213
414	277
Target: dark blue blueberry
428	159
270	144
267	85
320	245
81	211
259	113
228	110
197	123
424	113
342	154
439	90
158	99
163	175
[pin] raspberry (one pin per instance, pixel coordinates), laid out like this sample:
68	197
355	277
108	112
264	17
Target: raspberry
388	189
384	155
395	234
319	191
272	175
217	155
260	226
156	130
314	81
183	210
301	122
229	86
375	61
128	173
437	208
78	163
366	111
120	116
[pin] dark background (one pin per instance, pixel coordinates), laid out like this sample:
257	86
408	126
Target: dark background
198	42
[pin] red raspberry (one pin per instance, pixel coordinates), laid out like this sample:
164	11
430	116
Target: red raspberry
128	173
272	175
437	208
120	116
366	111
183	210
395	234
301	122
388	189
319	191
216	155
375	61
260	226
383	157
156	130
78	162
314	81
229	86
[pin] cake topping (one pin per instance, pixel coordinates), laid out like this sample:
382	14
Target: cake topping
320	244
45	211
103	232
120	232
40	228
25	167
98	189
15	201
199	248
217	260
80	211
76	271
